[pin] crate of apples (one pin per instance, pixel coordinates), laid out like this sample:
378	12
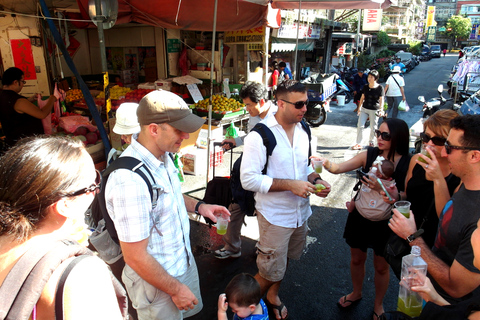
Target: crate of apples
136	95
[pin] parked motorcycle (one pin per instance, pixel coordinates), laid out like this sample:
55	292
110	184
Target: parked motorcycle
319	92
344	88
430	107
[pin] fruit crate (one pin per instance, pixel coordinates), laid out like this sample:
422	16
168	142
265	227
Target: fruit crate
219	115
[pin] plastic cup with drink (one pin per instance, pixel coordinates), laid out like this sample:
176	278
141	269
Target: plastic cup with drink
317	165
222	224
403	207
425	153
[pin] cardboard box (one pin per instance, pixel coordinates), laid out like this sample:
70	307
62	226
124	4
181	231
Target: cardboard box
164	84
115	139
217	134
195	161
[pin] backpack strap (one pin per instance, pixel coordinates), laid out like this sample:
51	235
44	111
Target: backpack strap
24	284
269	141
306	127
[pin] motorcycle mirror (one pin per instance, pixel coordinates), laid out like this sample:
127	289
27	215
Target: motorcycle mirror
421	98
440	88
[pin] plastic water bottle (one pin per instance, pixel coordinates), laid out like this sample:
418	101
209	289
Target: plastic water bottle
371	174
414	271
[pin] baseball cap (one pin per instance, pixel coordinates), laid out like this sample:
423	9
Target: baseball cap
126	119
162	106
396	69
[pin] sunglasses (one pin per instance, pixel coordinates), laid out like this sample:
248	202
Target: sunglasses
298	104
92	188
438	141
385	135
449	148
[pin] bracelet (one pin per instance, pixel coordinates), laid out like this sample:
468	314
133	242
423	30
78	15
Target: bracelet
199	203
414	235
315	180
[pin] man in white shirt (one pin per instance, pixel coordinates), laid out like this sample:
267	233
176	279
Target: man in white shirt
394	92
254	96
281	197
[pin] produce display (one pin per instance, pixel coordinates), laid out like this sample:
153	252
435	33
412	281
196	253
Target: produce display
136	95
220	104
73	95
116	92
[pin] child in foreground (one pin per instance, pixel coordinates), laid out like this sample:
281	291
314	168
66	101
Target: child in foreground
244	298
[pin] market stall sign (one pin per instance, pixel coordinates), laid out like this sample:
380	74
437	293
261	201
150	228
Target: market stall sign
255	35
345	48
431	16
372	19
475	34
23	57
194	92
173	45
307	31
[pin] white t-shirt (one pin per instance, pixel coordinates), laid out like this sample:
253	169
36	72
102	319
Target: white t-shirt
393	88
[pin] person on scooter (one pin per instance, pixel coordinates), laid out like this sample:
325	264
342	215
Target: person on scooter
359	81
398	62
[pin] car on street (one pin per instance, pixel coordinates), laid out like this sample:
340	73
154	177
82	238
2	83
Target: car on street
436	51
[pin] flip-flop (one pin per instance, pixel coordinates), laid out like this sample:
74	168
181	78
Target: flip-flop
279	308
378	317
357	147
345	300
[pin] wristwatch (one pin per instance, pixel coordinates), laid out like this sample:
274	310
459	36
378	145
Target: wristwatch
199	203
415	235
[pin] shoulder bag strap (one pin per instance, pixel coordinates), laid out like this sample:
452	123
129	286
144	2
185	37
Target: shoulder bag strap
396	82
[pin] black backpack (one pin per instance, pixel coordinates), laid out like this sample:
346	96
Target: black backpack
99	209
244	198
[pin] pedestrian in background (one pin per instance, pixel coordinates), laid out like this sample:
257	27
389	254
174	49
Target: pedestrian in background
285	73
359	81
394	92
444	52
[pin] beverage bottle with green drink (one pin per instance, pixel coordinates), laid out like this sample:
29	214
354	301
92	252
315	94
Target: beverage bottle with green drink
414	271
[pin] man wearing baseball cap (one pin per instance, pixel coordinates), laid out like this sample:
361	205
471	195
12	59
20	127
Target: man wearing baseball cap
160	275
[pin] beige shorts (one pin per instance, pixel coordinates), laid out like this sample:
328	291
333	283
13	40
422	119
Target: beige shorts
275	245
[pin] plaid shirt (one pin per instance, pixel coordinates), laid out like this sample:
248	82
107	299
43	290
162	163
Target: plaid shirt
129	206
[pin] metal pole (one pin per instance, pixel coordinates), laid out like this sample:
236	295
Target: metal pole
358	36
103	55
212	70
296	43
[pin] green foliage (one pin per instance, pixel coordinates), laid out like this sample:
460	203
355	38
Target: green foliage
385	54
383	39
415	47
365	60
381	71
460	27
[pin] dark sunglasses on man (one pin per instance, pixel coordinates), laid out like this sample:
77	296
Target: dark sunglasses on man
298	104
449	148
385	135
438	141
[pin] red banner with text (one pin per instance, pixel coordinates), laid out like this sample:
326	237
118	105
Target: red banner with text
23	57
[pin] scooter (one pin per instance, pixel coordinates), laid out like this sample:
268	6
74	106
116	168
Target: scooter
429	108
316	114
345	89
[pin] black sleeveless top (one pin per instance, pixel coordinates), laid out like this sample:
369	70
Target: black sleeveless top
16	125
421	196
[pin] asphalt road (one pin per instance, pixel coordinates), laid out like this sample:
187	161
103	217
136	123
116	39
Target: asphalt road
313	285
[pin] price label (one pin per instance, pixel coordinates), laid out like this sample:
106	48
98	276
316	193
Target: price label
194	92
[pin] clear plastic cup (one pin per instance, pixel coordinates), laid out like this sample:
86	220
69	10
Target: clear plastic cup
403	207
425	153
222	224
317	165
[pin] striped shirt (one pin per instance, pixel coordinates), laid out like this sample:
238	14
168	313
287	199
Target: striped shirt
130	207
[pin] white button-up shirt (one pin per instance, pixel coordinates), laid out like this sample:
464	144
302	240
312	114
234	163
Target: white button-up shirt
281	208
130	207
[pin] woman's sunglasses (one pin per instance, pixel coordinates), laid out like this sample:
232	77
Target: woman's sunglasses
449	148
92	188
298	104
385	135
438	141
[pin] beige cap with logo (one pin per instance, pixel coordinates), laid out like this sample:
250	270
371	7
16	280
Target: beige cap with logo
162	106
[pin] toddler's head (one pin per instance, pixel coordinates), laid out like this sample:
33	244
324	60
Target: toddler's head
243	294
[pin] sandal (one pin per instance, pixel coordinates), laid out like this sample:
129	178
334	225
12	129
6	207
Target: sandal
271	307
345	300
378	317
357	147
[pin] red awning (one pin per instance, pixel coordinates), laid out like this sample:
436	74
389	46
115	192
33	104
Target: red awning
188	14
328	4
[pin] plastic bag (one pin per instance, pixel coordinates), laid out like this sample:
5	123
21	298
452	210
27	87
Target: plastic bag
403	106
70	124
47	121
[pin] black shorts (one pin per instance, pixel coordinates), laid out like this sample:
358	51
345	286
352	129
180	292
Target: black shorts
361	233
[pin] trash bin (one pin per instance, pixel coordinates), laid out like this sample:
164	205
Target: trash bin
341	100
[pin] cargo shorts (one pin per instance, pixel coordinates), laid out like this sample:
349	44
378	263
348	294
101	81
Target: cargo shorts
277	244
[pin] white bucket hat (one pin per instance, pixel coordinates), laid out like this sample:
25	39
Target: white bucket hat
397	69
127	122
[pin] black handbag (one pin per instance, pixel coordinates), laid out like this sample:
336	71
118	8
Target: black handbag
396	248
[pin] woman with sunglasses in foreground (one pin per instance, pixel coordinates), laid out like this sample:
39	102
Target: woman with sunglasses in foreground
19	116
421	183
361	233
46	185
371	102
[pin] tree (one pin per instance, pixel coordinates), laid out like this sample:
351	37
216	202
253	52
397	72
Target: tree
458	27
383	39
